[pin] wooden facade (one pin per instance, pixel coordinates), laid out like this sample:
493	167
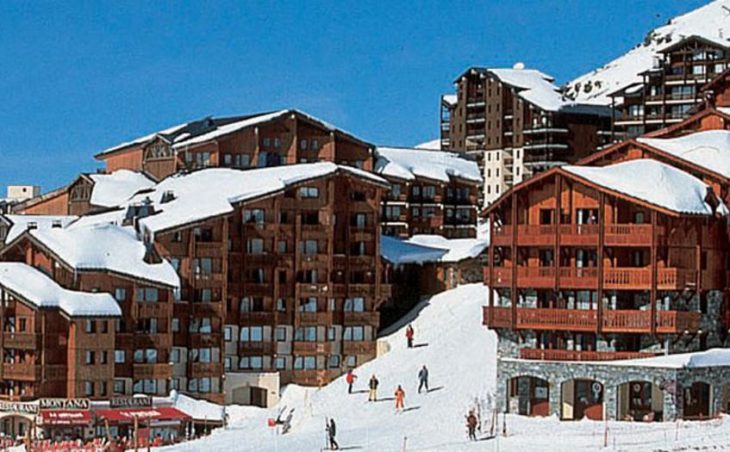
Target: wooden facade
571	259
669	91
289	138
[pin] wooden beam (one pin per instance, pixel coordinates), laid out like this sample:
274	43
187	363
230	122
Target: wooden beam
490	279
558	209
654	270
514	260
599	258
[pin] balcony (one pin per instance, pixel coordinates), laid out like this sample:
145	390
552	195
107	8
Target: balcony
577	235
255	348
152	371
360	318
210	249
310	348
315	318
161	341
153	310
25	341
614	321
198	370
19	371
576	355
359	347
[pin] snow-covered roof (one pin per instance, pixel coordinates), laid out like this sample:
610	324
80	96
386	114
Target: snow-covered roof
426	248
214	192
105	247
404	163
715	357
432	145
450	99
711	21
709	149
654	182
115	188
230	128
197	409
20	223
724	110
144	139
37	288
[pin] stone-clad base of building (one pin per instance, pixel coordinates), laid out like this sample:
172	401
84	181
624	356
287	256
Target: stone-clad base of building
675	384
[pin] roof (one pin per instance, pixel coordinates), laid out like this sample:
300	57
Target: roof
659	184
408	164
114	188
450	99
209	129
539	89
105	247
708	149
432	145
426	248
20	223
709	21
35	287
213	192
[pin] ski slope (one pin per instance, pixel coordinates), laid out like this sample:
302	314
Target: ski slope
461	356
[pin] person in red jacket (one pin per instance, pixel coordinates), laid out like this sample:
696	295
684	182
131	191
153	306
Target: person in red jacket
350	379
409	336
400	397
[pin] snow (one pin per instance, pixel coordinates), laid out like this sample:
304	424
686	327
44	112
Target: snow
456	249
400	252
537	87
197	409
434	421
433	145
450	99
20	223
709	149
230	128
105	247
408	164
711	21
715	357
144	139
724	110
115	188
214	192
37	288
654	182
461	357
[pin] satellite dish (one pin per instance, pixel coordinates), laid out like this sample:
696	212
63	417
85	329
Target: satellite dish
519	66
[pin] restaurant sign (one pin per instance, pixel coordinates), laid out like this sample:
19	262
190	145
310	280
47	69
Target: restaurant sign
131	402
64	404
19	407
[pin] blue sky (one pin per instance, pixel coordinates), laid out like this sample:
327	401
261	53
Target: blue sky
77	77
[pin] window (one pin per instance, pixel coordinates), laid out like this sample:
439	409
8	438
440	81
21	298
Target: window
280	334
306	334
89	388
429	192
228	334
89	357
175	325
119	356
118	386
120	294
281	304
333	362
148	294
305	362
308	247
90	326
256	216
356	304
354	333
309	192
103	358
308	305
255	246
351	361
303	144
175	355
242	161
280	363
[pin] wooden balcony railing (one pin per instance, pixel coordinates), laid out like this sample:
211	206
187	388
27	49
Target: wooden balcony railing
575	355
587	277
578	234
26	341
614	321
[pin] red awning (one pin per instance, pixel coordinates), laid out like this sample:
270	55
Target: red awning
127	415
66	417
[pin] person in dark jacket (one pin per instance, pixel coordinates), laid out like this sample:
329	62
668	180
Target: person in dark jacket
471	424
409	336
423	379
331	432
373	386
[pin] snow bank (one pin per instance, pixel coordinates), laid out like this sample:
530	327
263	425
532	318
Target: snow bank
197	409
654	182
709	149
404	163
710	22
37	288
113	189
425	248
105	247
20	223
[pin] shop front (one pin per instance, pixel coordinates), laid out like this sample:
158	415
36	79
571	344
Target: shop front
65	425
153	424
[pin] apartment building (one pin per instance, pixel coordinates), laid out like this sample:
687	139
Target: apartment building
126	355
261	140
516	123
671	90
431	192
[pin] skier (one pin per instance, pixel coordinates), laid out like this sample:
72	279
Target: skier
400	396
409	336
373	386
331	432
423	379
471	424
350	378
